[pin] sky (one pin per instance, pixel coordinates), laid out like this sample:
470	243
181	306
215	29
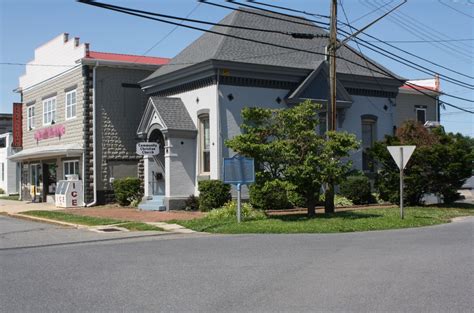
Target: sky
26	24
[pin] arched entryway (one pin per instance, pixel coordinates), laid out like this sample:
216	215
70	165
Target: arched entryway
156	168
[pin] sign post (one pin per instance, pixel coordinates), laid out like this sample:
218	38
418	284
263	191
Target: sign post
401	155
238	171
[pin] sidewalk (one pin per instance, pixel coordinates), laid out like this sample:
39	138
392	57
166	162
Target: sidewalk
14	206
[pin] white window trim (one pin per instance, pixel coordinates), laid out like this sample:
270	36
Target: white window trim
68	162
45	101
66	105
30	119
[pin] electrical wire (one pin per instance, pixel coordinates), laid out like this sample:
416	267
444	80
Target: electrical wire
383	71
454	9
375	38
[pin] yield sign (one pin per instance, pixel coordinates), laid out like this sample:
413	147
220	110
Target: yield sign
401	154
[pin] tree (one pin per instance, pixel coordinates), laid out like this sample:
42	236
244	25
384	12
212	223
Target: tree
440	164
285	146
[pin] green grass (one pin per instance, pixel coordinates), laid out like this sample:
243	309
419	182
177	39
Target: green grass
91	221
348	221
12	197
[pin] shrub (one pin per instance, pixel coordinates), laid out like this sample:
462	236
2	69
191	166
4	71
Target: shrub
270	195
338	201
2	191
356	189
229	210
192	203
213	194
127	190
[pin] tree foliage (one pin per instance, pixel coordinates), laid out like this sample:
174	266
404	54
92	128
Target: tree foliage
440	164
286	147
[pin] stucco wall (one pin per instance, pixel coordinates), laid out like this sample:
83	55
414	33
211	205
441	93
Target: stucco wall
380	107
55	87
405	109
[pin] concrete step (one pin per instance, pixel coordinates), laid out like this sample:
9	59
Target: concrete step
156	203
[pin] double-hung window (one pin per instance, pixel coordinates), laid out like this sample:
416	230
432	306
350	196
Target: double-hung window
71	104
205	146
421	115
49	111
71	168
30	117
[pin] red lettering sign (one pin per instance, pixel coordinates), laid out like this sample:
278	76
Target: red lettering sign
74	194
50	132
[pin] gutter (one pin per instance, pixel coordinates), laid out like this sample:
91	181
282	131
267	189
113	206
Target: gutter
94	151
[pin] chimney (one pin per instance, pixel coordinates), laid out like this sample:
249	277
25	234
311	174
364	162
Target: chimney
65	37
17	125
76	41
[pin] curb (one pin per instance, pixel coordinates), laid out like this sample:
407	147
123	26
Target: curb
45	220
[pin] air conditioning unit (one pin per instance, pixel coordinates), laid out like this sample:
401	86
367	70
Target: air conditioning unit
432	124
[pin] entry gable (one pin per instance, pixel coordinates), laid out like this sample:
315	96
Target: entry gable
316	87
169	113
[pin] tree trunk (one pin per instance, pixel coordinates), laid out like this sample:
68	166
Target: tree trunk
329	198
311	204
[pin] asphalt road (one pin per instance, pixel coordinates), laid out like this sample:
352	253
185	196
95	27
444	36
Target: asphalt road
412	270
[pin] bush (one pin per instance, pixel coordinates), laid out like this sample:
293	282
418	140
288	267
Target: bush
229	210
192	203
356	189
213	194
338	201
2	191
270	195
127	190
440	164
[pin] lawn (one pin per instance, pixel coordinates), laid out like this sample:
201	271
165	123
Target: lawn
346	221
91	221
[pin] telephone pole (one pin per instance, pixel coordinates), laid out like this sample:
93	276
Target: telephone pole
331	104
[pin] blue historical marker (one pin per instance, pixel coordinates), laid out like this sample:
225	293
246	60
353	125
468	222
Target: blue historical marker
238	171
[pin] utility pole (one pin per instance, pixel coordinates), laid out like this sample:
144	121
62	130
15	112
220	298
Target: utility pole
331	104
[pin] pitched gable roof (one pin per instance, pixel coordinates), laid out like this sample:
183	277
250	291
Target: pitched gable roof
218	47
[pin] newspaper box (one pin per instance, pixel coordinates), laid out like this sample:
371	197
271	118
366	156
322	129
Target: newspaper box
69	194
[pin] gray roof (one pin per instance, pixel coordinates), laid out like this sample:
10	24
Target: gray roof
217	47
173	113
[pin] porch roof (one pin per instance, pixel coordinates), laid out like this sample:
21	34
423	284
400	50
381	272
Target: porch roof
48	151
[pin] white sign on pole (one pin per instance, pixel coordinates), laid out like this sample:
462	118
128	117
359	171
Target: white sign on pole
397	151
401	155
148	148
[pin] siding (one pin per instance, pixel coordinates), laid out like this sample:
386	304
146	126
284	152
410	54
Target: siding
405	109
119	111
74	127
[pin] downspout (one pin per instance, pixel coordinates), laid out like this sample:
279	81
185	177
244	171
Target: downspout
219	134
94	151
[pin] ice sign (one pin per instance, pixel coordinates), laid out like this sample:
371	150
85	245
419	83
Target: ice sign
239	170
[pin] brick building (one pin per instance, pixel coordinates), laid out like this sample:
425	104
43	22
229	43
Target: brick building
80	113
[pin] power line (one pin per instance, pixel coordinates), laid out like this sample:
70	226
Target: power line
183	19
454	9
381	41
403	20
376	9
36	64
289	9
170	32
425	41
384	72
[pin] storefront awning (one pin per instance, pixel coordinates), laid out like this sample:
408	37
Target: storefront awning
36	153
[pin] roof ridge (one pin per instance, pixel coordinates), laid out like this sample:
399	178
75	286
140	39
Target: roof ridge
132	55
226	31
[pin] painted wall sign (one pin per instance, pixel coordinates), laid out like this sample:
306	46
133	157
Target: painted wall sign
50	132
17	125
148	148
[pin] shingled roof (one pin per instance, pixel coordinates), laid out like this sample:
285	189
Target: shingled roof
173	113
217	47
